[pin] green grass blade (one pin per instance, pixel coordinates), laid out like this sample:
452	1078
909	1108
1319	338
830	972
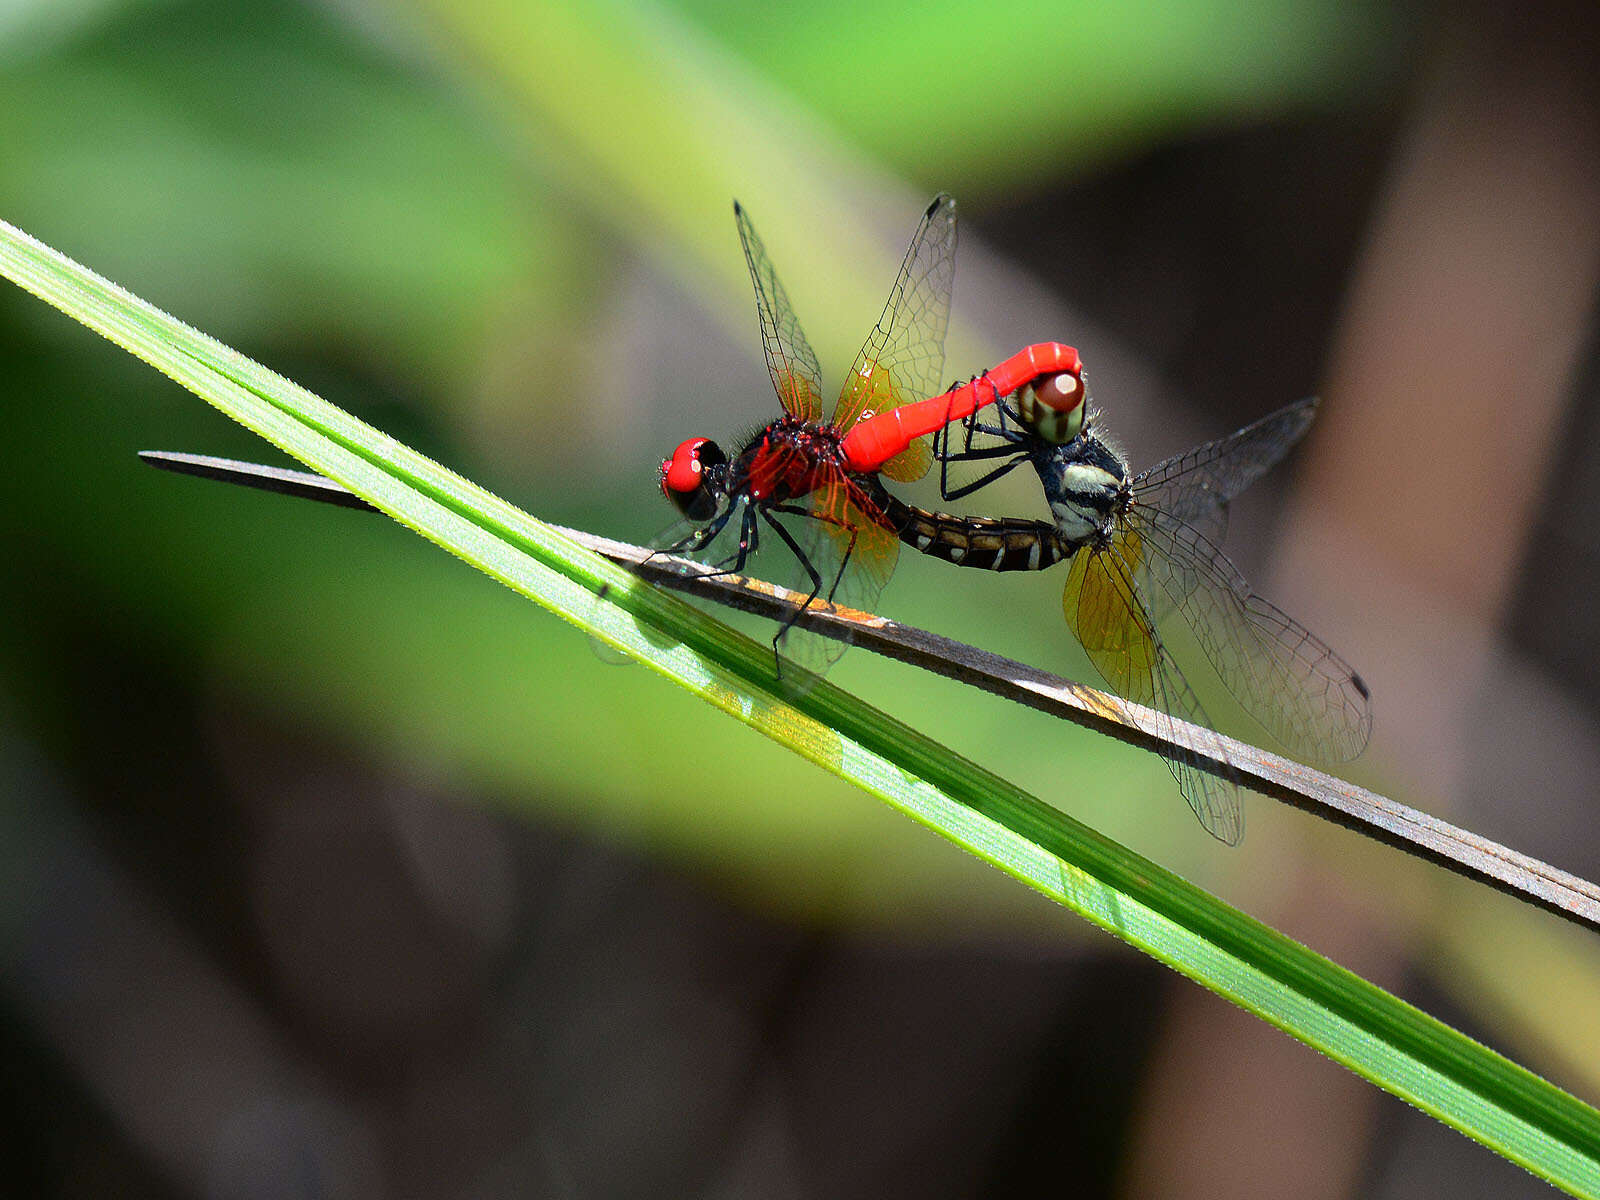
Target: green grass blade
1380	1037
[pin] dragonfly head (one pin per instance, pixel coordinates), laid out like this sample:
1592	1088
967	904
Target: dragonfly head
1054	405
692	477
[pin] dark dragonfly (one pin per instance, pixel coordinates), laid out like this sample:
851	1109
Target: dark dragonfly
1144	547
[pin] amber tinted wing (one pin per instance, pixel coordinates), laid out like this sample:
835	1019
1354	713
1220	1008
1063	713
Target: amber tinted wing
1196	486
862	537
1103	608
790	359
847	541
912	463
903	360
1285	676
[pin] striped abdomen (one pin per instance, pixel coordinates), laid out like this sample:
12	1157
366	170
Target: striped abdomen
987	543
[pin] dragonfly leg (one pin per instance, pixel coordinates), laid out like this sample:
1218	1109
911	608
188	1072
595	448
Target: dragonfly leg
829	519
699	539
749	543
941	451
950	493
749	539
1006	412
969	453
946	456
693	542
941	436
733	564
975	426
811	570
981	453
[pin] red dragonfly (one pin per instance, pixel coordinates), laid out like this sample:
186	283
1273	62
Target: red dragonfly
813	484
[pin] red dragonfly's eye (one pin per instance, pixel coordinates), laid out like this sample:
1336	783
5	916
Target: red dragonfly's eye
1053	405
684	476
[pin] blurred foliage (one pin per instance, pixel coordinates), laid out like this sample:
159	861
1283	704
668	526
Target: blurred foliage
392	205
288	181
998	100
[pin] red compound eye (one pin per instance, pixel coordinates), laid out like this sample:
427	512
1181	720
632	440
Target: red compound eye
682	472
683	476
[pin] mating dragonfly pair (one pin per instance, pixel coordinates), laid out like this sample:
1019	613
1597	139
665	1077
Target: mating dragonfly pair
1142	547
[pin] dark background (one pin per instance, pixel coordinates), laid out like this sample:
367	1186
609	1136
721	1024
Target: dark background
329	868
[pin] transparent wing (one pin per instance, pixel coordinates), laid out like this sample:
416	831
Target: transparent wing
903	360
912	463
1105	612
1196	486
861	537
848	541
790	359
1286	677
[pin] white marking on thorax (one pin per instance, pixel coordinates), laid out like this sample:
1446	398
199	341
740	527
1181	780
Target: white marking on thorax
1084	478
1084	503
1074	523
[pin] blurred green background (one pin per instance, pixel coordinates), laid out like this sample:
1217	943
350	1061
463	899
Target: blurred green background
333	869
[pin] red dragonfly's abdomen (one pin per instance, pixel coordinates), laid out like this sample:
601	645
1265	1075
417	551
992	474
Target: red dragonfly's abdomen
879	438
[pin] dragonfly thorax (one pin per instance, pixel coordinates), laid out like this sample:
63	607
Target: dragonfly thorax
787	459
1086	485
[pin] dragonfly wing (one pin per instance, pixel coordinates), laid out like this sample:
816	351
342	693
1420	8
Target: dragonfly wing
790	359
848	541
1286	677
712	541
903	360
912	463
1196	486
843	513
1105	612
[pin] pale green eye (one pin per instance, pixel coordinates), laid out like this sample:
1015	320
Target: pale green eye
1053	406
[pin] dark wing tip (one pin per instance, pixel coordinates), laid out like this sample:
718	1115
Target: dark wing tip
1361	686
738	209
1306	410
942	200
